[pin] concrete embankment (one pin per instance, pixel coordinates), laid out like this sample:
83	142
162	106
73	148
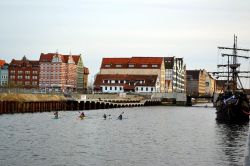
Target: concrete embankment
22	103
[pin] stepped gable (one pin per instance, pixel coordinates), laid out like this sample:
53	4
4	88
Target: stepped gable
64	58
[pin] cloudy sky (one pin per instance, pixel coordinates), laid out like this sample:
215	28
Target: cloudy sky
123	28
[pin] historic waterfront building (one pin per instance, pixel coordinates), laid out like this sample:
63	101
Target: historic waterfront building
200	83
24	73
175	75
61	72
85	78
4	74
149	66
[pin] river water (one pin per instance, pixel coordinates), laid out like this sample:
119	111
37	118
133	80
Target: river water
147	136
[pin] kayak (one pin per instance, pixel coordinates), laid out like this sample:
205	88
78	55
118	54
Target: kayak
81	117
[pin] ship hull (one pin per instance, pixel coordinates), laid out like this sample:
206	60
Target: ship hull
232	109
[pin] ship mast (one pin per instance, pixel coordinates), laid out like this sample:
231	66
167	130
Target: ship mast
232	72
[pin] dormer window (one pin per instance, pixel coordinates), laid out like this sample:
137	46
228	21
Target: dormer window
131	65
154	66
144	65
118	65
107	66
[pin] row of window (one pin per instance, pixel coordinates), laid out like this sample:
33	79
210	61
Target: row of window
21	72
27	83
147	89
132	65
4	77
123	81
26	77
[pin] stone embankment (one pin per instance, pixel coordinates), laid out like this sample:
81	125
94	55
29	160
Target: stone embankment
22	103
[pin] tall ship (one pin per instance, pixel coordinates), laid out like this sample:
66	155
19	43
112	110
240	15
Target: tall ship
232	105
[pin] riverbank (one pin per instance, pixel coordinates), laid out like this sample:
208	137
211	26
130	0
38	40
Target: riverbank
30	97
27	103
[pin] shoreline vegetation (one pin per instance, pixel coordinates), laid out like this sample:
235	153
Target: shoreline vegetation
61	97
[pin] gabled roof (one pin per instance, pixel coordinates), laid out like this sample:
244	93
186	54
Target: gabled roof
24	62
64	58
194	74
136	61
131	80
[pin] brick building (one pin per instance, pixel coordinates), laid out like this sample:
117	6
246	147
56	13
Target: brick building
24	73
60	72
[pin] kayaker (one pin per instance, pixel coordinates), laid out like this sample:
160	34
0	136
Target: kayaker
120	116
82	115
56	114
104	116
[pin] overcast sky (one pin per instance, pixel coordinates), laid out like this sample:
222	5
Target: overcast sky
123	28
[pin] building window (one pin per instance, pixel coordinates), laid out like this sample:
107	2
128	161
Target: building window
131	65
20	77
19	82
27	72
144	65
154	66
34	77
141	88
118	65
115	88
107	66
34	72
106	88
27	82
120	88
147	89
12	72
27	77
20	72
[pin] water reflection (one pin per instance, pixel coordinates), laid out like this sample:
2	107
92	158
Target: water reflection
230	141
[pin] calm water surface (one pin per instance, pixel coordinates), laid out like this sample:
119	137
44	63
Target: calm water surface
147	136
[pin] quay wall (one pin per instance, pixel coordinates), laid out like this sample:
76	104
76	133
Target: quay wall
30	104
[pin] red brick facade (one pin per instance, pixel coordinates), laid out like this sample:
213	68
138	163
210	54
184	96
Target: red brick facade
24	73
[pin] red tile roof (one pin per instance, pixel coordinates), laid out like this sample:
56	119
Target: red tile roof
2	62
24	62
149	80
64	58
146	60
137	61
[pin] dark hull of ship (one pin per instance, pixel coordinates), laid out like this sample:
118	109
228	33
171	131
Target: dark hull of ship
232	111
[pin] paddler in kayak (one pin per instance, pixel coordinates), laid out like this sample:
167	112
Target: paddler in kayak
82	115
120	116
104	116
56	114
